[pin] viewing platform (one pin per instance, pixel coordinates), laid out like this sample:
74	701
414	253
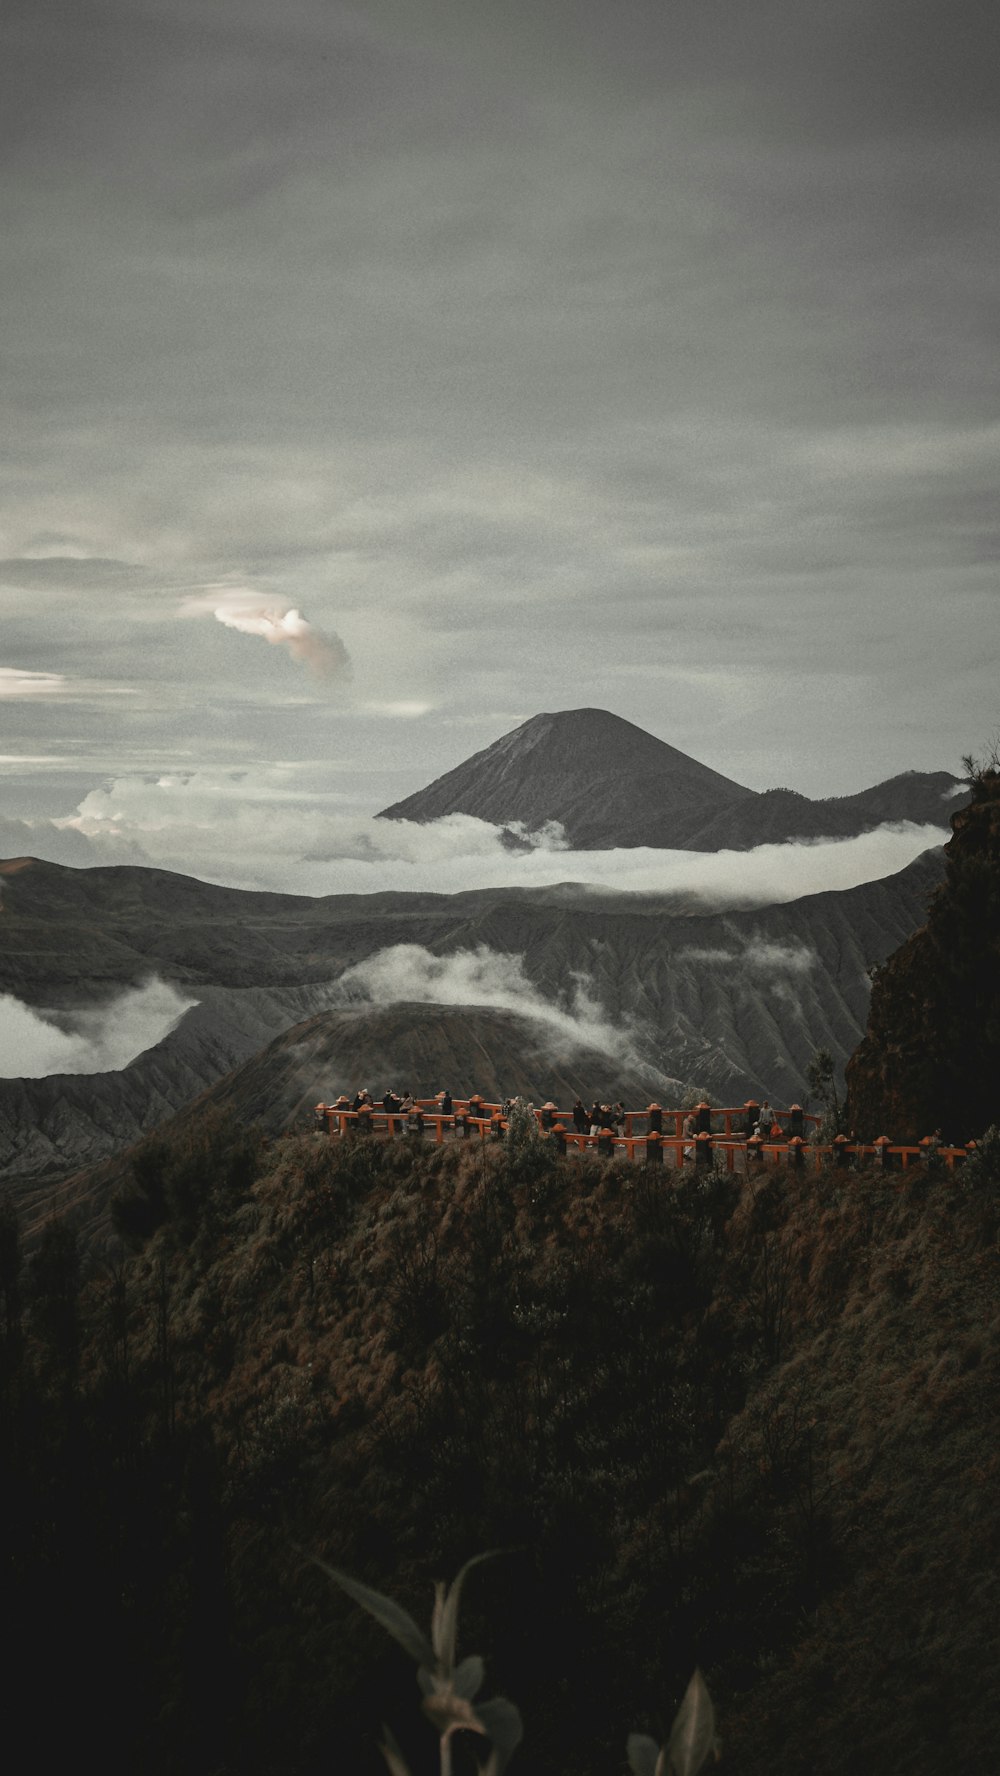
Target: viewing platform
654	1136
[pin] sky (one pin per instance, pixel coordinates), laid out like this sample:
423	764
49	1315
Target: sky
379	376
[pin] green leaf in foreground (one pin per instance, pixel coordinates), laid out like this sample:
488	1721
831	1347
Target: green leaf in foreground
692	1736
644	1755
448	1689
392	1616
394	1758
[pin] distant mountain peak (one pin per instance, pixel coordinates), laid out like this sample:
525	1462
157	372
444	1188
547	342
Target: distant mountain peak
611	784
590	770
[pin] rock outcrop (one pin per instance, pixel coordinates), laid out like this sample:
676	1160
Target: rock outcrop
931	1055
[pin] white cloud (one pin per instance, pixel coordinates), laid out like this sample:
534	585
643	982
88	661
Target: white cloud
402	710
101	1039
15	681
280	625
758	954
254	828
491	978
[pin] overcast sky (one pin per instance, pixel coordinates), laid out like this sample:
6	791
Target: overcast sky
378	376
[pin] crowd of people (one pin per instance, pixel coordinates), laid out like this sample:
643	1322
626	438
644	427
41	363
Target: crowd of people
600	1119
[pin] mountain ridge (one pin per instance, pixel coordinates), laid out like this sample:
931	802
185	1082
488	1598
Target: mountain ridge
611	784
735	1000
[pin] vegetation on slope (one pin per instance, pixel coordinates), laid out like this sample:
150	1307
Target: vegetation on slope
748	1426
931	1056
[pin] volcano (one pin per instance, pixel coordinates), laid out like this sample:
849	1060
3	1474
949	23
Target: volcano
609	783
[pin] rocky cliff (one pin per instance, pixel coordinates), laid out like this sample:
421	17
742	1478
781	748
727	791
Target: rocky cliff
931	1055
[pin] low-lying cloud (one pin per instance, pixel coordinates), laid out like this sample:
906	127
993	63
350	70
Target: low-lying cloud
97	1039
17	681
252	829
759	955
494	979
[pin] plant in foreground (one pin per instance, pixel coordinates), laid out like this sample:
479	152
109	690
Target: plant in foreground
450	1690
692	1738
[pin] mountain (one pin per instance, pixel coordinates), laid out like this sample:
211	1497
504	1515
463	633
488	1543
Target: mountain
424	1048
595	773
611	784
744	1423
417	1047
735	1001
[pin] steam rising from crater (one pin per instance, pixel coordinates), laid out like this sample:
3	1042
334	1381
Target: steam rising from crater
279	625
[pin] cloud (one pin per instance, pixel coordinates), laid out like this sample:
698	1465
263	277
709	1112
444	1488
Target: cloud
492	978
66	572
102	1039
759	955
15	681
280	625
252	828
403	709
42	838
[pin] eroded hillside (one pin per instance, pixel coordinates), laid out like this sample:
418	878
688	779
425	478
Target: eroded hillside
734	1002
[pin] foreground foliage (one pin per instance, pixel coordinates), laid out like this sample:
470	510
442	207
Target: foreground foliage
931	1055
747	1425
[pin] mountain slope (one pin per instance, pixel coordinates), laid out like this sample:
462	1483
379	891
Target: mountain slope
737	1002
931	1054
748	1425
611	784
590	770
416	1047
424	1048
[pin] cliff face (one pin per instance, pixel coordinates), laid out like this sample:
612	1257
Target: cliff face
931	1056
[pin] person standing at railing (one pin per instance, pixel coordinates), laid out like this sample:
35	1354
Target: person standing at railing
581	1121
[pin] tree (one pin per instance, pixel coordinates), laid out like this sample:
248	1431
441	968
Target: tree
821	1078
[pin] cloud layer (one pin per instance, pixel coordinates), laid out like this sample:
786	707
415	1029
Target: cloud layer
103	1039
254	829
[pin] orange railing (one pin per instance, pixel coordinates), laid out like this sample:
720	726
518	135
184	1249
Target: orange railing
480	1119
